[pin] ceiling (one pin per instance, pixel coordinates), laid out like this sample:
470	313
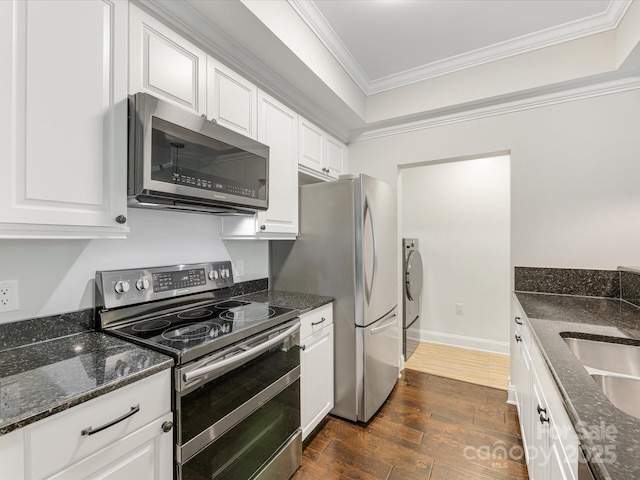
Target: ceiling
357	67
384	44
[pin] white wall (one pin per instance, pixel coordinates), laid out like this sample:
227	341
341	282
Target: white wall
575	180
56	276
575	175
459	211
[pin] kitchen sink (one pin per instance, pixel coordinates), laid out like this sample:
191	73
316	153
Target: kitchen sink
611	357
623	392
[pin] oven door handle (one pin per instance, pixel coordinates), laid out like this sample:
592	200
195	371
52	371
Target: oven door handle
255	351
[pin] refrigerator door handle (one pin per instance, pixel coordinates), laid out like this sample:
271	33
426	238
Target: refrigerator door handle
368	211
381	328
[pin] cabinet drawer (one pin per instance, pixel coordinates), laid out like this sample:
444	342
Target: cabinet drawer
316	320
56	442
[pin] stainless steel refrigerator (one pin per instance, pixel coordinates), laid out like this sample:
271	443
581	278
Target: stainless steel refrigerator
347	249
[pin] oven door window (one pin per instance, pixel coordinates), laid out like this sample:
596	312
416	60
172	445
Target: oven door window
246	449
184	157
220	398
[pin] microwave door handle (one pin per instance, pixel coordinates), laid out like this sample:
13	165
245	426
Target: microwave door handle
257	350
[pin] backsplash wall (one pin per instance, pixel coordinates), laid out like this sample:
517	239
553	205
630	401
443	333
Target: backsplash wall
623	283
56	276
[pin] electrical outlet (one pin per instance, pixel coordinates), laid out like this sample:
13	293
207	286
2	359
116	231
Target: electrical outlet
239	268
9	296
459	308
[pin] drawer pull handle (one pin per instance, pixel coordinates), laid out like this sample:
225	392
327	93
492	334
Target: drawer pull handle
540	409
518	321
543	419
313	324
91	430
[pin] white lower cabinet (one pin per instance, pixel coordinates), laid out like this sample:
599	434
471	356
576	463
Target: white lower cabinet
550	442
316	364
12	455
125	434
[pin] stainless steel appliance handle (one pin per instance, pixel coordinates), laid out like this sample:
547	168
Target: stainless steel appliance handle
263	347
368	210
379	329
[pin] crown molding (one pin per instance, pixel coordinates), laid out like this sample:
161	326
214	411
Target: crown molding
503	106
591	25
326	34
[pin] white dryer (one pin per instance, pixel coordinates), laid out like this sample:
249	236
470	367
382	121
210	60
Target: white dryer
412	276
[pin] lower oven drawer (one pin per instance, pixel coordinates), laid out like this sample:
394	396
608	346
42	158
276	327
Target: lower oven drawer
246	451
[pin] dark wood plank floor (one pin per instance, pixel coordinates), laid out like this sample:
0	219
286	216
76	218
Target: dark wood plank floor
430	428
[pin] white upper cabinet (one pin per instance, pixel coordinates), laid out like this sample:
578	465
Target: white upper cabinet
277	128
231	99
63	118
321	155
335	156
311	146
164	64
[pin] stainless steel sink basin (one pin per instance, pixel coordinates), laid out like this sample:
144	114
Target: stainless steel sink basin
610	357
623	392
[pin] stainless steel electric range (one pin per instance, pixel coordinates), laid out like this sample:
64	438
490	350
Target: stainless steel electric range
236	379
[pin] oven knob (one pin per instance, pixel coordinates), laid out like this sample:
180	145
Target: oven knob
224	273
142	283
121	286
213	275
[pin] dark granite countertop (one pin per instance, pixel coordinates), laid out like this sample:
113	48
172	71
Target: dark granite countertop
44	371
300	301
600	426
44	378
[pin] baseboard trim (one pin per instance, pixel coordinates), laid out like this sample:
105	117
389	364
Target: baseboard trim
471	343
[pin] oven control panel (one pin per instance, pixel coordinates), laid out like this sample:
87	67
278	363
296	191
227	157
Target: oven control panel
118	288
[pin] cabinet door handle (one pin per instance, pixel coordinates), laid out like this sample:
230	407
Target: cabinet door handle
303	347
313	324
543	418
518	321
90	430
518	338
540	409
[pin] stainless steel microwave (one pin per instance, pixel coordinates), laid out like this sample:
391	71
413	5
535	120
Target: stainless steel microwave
180	160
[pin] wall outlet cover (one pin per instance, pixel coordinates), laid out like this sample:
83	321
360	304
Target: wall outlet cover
9	296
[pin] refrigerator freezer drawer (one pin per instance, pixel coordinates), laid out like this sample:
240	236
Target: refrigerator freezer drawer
381	369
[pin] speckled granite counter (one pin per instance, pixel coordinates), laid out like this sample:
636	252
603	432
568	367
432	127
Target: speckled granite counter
44	378
553	316
301	301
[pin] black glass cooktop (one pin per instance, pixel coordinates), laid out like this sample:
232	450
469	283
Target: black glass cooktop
205	328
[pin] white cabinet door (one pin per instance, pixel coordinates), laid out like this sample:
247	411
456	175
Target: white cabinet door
311	146
164	64
316	367
335	156
12	455
63	118
277	128
316	373
321	155
231	99
146	454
